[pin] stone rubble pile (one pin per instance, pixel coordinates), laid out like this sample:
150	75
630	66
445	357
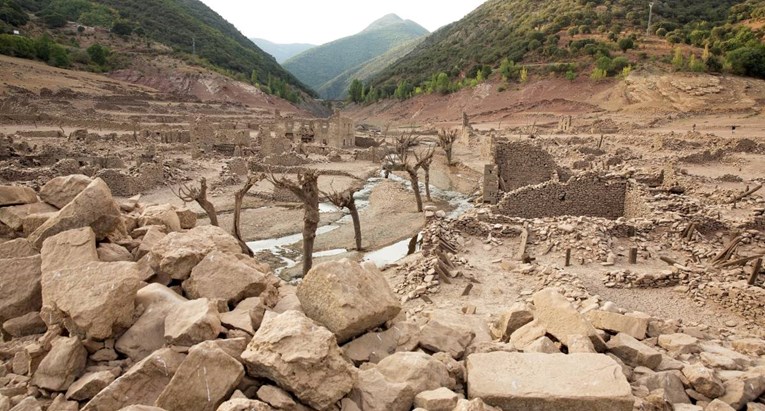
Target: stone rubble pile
117	307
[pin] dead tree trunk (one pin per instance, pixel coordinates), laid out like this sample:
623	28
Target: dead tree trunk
238	199
403	143
345	200
427	160
446	141
188	194
412	169
307	190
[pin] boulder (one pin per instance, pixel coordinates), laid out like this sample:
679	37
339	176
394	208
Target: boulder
276	397
177	254
222	276
152	236
62	365
60	403
93	207
89	385
618	323
556	314
247	316
302	357
69	249
34	221
243	404
186	217
509	321
717	405
419	371
20	247
141	384
542	345
633	352
347	298
27	324
163	215
110	253
28	404
529	333
669	382
20	286
95	300
60	191
15	195
441	399
679	343
14	216
451	338
580	344
374	346
739	391
192	322
203	381
373	392
147	334
749	346
542	382
704	381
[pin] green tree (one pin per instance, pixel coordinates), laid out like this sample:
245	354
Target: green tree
696	65
524	75
59	57
442	83
403	91
748	61
122	28
254	77
678	60
54	20
356	91
626	44
98	54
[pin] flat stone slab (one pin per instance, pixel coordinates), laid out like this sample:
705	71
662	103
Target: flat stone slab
548	382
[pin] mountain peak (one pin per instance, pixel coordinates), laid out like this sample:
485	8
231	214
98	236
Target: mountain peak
387	20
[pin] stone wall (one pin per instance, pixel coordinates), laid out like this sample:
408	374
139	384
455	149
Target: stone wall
585	195
522	164
739	297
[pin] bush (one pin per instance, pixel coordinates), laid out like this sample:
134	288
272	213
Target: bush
122	28
626	44
748	61
17	46
80	56
571	75
598	74
618	64
12	13
54	20
98	54
59	57
661	32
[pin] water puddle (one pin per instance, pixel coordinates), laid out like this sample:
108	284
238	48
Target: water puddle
394	252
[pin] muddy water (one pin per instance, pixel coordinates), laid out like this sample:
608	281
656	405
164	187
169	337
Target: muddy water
280	247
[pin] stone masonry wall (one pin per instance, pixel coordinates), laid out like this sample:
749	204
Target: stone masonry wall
522	164
585	195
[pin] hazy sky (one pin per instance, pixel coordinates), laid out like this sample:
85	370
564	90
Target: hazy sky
321	21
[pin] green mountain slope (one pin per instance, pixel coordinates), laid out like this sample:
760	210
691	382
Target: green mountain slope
186	26
282	52
322	64
337	88
555	31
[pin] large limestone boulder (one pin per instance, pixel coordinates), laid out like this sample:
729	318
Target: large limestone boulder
704	380
372	392
163	214
14	216
111	253
244	404
548	382
60	191
69	249
177	253
511	320
633	352
223	276
302	357
141	384
20	286
347	298
618	323
89	385
27	324
449	337
62	365
147	334
556	314
15	195
192	322
204	380
420	371
20	247
95	300
93	207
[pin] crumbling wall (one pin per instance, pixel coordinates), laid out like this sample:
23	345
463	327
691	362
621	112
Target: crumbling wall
522	164
585	195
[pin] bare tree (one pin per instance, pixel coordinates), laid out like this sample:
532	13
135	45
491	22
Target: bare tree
403	143
427	160
238	199
190	194
345	199
446	141
412	167
307	190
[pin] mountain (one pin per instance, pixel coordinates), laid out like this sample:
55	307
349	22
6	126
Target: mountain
188	27
282	52
583	31
322	64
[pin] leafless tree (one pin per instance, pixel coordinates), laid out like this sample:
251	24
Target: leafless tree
190	194
238	199
412	167
345	199
427	160
403	143
446	141
307	190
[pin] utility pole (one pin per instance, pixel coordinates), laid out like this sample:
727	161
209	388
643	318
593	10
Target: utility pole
650	15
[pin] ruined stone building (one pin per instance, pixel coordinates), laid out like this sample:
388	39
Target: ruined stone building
336	131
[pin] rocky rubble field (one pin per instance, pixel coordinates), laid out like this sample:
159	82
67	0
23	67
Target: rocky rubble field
109	305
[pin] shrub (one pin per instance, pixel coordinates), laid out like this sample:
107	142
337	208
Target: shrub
59	57
571	75
98	54
626	44
122	28
598	74
748	61
54	20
